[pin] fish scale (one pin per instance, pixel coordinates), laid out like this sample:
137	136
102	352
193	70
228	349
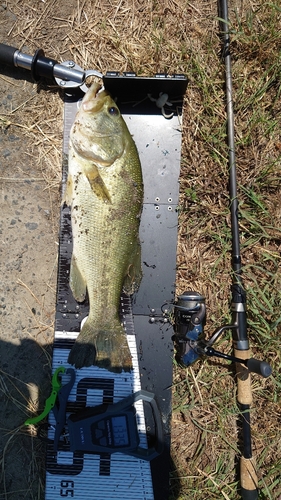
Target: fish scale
99	231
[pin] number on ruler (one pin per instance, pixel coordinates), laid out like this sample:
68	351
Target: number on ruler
67	489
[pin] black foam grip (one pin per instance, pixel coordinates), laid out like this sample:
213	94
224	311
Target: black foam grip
7	54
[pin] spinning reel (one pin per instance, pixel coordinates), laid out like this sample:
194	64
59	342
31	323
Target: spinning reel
190	341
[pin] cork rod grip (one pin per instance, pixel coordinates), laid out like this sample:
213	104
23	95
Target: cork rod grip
248	475
248	478
243	379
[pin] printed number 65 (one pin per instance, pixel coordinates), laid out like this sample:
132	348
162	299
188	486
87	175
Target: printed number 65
69	492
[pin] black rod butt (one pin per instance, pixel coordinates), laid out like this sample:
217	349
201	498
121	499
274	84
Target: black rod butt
249	494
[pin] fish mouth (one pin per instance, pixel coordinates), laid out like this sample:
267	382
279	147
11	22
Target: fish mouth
94	98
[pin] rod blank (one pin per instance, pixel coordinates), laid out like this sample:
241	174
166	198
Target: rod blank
248	476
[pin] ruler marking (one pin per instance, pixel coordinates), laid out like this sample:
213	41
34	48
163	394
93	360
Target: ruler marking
70	473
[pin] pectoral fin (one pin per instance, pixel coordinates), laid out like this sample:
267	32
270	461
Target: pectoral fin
77	282
96	183
68	194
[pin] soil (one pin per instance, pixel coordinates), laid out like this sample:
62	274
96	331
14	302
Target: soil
27	291
28	263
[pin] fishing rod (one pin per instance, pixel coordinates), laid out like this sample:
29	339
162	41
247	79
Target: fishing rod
248	476
190	309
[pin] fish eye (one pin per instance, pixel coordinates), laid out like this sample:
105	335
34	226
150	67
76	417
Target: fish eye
113	111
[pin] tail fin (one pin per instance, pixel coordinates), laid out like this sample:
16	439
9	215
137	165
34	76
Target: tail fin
106	348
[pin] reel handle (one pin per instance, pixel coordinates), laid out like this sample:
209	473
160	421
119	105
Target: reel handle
260	367
253	365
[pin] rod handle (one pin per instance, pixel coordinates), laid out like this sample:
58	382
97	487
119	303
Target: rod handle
260	367
248	478
244	394
7	54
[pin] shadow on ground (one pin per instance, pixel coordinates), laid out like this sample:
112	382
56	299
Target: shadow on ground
23	369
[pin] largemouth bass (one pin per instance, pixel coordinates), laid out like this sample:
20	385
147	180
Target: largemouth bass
105	191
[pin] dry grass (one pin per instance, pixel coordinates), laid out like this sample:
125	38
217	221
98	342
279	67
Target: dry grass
179	36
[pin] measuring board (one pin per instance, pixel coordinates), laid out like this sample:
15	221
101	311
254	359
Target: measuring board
158	140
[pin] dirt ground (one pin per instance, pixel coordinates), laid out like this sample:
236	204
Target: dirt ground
28	283
28	262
